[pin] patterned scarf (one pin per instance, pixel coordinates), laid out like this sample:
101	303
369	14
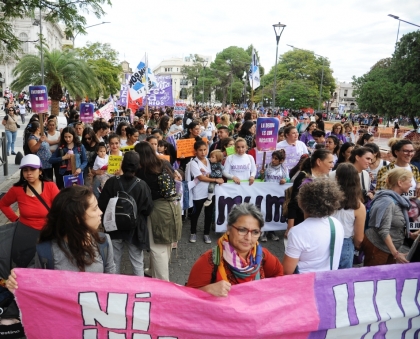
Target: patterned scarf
242	269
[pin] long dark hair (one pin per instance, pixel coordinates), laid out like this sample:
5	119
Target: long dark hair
89	131
130	164
343	149
246	126
164	123
72	131
120	126
348	179
23	183
66	220
149	161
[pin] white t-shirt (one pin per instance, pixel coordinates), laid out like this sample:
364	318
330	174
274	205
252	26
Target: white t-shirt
54	137
209	130
22	109
241	166
309	242
175	128
300	146
200	191
100	162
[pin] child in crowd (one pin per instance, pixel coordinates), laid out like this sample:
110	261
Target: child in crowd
162	147
216	158
280	135
275	172
101	163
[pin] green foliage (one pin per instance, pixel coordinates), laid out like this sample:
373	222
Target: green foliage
103	60
392	86
72	13
61	69
299	76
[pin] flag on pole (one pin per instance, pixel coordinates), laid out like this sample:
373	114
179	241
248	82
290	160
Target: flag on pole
254	72
141	81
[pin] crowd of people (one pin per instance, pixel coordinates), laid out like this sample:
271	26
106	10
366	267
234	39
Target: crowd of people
342	197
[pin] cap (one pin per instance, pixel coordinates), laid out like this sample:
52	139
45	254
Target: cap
30	160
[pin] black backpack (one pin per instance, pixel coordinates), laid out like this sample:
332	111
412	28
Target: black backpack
126	208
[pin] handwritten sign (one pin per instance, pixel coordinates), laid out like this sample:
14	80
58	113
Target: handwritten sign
114	164
266	136
127	148
185	148
292	157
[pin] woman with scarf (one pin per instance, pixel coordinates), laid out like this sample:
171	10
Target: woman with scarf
388	221
237	258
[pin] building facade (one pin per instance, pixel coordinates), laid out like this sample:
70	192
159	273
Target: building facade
180	84
344	97
27	30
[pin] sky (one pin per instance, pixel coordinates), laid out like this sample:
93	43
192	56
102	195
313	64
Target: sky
352	34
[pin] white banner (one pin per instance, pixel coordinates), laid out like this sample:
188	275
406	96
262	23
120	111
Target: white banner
267	196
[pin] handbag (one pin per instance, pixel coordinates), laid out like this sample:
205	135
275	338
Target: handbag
17	125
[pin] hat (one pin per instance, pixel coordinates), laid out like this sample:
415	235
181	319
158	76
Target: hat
30	160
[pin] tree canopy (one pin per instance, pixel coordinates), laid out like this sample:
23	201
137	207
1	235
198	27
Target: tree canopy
72	13
103	60
392	86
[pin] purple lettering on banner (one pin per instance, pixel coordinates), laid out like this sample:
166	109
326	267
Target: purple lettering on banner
39	98
161	94
123	96
86	112
292	157
266	135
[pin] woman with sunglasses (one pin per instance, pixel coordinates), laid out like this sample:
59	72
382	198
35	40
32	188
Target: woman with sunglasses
237	258
11	127
122	132
90	142
403	152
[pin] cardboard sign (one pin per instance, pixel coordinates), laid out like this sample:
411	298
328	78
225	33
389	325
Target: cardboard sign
114	164
72	180
185	148
118	120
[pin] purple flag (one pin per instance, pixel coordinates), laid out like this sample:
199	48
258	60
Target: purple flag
161	94
123	96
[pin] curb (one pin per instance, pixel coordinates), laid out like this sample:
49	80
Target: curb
11	178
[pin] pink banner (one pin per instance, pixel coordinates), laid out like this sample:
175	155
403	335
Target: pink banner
105	111
374	302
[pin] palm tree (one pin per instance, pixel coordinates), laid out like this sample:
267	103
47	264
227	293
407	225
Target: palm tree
62	69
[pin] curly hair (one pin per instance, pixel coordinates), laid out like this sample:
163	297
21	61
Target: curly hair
320	198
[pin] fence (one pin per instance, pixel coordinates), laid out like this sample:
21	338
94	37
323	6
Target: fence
3	154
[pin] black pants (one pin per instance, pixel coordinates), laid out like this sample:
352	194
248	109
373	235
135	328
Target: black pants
48	172
208	213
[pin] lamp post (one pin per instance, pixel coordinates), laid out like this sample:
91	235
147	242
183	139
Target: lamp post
36	23
204	69
292	101
399	22
278	30
322	73
101	23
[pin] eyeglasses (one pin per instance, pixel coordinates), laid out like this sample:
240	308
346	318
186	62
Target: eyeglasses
244	231
406	151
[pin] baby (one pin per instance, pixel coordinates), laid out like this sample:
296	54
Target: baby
101	163
216	158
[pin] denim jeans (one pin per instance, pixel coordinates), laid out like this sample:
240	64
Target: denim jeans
135	254
347	254
11	138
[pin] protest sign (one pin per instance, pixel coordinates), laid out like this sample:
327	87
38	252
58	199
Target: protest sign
127	148
86	112
118	120
266	135
72	180
368	302
105	111
164	157
292	157
179	108
114	163
123	95
230	150
62	122
185	148
39	99
161	93
268	197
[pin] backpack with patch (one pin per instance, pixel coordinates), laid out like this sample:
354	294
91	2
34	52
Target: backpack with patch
166	183
125	208
45	253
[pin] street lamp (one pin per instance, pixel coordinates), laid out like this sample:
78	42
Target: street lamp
292	101
322	73
36	23
101	23
278	30
399	21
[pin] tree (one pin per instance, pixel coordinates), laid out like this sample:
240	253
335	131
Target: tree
302	67
192	74
61	69
392	86
103	60
72	13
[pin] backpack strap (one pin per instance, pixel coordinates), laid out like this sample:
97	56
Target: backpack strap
103	249
131	187
332	242
45	255
216	263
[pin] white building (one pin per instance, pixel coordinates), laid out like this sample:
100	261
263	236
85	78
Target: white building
28	30
343	95
173	67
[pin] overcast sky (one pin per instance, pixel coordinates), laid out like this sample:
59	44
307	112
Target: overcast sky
352	34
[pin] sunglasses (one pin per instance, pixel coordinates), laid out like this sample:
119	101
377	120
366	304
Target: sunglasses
88	138
11	110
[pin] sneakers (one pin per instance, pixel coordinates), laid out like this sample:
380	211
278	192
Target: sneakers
207	203
193	237
13	153
273	236
207	239
263	237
